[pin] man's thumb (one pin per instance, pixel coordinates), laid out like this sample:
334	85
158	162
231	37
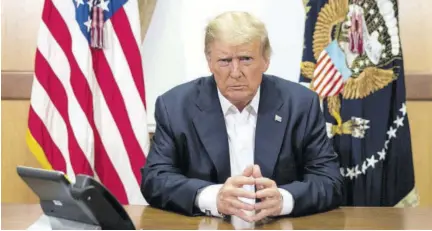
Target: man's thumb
248	171
256	171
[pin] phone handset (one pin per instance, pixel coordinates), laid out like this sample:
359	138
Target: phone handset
102	205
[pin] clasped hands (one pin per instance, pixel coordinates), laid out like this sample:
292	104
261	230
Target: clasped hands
228	202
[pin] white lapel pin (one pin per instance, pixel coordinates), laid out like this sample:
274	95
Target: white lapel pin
278	118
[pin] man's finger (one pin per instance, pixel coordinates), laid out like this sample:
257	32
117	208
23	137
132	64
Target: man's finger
236	203
267	204
239	181
256	171
261	215
240	192
243	216
264	183
248	171
240	213
268	192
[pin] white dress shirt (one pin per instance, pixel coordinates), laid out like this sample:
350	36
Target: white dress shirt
241	139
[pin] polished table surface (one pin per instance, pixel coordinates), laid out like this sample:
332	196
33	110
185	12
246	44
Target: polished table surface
21	216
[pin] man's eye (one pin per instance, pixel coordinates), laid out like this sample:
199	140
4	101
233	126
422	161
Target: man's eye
224	62
246	59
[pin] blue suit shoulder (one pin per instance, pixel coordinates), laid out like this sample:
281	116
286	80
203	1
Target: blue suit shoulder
177	106
184	93
292	91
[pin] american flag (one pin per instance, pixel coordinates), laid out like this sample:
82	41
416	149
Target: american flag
88	107
331	71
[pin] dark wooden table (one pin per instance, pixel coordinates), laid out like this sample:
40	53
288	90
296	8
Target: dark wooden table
21	216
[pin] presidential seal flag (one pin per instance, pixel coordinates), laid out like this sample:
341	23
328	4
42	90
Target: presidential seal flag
363	96
87	112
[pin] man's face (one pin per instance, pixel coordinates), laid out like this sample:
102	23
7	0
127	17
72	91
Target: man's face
237	69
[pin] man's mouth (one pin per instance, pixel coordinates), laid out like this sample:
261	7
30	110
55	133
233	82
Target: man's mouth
237	87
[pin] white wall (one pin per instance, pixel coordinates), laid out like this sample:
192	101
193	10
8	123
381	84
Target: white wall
173	48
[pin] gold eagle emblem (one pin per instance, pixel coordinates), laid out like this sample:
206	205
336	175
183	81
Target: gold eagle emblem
380	47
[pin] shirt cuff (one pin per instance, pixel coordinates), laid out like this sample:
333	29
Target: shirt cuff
288	202
206	200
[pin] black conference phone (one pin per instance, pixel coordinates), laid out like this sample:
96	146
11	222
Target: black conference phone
86	201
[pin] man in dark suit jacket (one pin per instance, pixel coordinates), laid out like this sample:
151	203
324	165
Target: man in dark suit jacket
240	142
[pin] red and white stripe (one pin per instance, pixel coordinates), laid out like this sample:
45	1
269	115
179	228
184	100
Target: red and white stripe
88	109
327	79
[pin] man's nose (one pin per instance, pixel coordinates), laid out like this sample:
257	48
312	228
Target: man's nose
235	68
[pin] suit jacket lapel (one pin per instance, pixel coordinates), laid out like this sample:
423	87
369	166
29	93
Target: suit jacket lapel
209	123
270	127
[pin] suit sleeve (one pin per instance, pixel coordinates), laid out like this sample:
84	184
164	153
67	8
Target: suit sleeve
321	187
163	184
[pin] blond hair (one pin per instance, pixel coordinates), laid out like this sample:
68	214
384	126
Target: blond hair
237	28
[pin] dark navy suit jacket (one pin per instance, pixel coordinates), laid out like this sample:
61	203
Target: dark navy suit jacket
190	146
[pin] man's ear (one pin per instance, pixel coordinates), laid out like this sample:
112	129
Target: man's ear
209	62
266	64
